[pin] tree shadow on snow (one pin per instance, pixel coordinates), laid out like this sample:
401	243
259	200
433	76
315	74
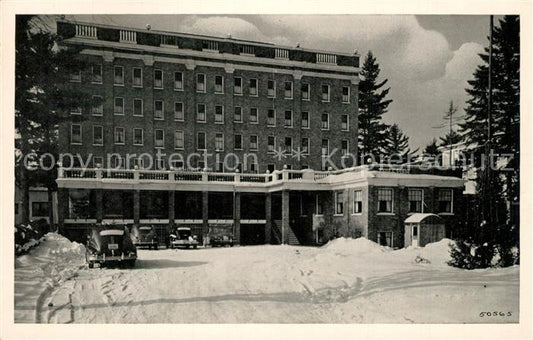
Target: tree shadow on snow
162	263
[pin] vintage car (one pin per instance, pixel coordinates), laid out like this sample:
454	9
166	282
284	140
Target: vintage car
144	236
220	235
183	237
110	244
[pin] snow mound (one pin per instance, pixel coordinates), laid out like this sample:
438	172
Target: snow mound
350	246
436	253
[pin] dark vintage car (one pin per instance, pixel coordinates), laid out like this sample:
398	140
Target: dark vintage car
220	235
110	244
183	237
144	236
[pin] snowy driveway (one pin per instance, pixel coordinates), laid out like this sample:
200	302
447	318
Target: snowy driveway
349	281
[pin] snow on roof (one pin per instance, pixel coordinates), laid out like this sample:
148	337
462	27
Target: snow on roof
418	217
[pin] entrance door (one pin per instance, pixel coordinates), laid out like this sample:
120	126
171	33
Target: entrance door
414	229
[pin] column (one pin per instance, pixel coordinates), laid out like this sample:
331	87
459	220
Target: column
171	209
136	206
285	216
268	217
63	208
99	205
205	210
237	217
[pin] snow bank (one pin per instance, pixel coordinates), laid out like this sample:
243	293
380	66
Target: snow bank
350	246
54	261
435	253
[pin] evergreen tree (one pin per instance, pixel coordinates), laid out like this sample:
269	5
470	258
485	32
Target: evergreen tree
432	148
372	106
43	99
397	145
493	226
451	138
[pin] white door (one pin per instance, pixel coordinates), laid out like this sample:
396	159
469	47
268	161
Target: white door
414	234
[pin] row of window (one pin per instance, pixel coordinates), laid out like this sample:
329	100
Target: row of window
201	140
219	114
385	201
239	84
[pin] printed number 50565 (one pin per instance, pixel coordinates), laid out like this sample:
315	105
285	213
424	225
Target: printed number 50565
496	313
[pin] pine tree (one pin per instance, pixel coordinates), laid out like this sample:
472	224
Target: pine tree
492	225
432	149
372	106
397	145
42	101
451	138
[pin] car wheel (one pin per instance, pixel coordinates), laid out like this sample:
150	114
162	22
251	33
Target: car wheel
91	264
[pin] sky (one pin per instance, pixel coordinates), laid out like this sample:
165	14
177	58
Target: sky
427	59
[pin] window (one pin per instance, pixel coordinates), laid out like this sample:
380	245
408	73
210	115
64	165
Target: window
325	122
325	147
219	84
344	147
178	81
271	142
159	110
200	83
200	141
179	140
357	201
159	138
158	79
253	142
119	106
219	114
138	107
238	142
219	141
178	111
445	200
305	146
137	77
200	113
98	110
39	209
345	94
271	117
219	166
271	168
344	123
116	162
237	87
288	118
415	200
237	117
253	87
119	75
254	115
75	111
75	134
75	77
318	205
271	89
339	203
176	164
305	120
384	200
385	238
119	135
98	135
160	162
96	74
325	93
288	90
138	136
306	91
288	144
254	167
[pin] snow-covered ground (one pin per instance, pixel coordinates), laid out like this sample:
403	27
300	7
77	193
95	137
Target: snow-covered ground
346	281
